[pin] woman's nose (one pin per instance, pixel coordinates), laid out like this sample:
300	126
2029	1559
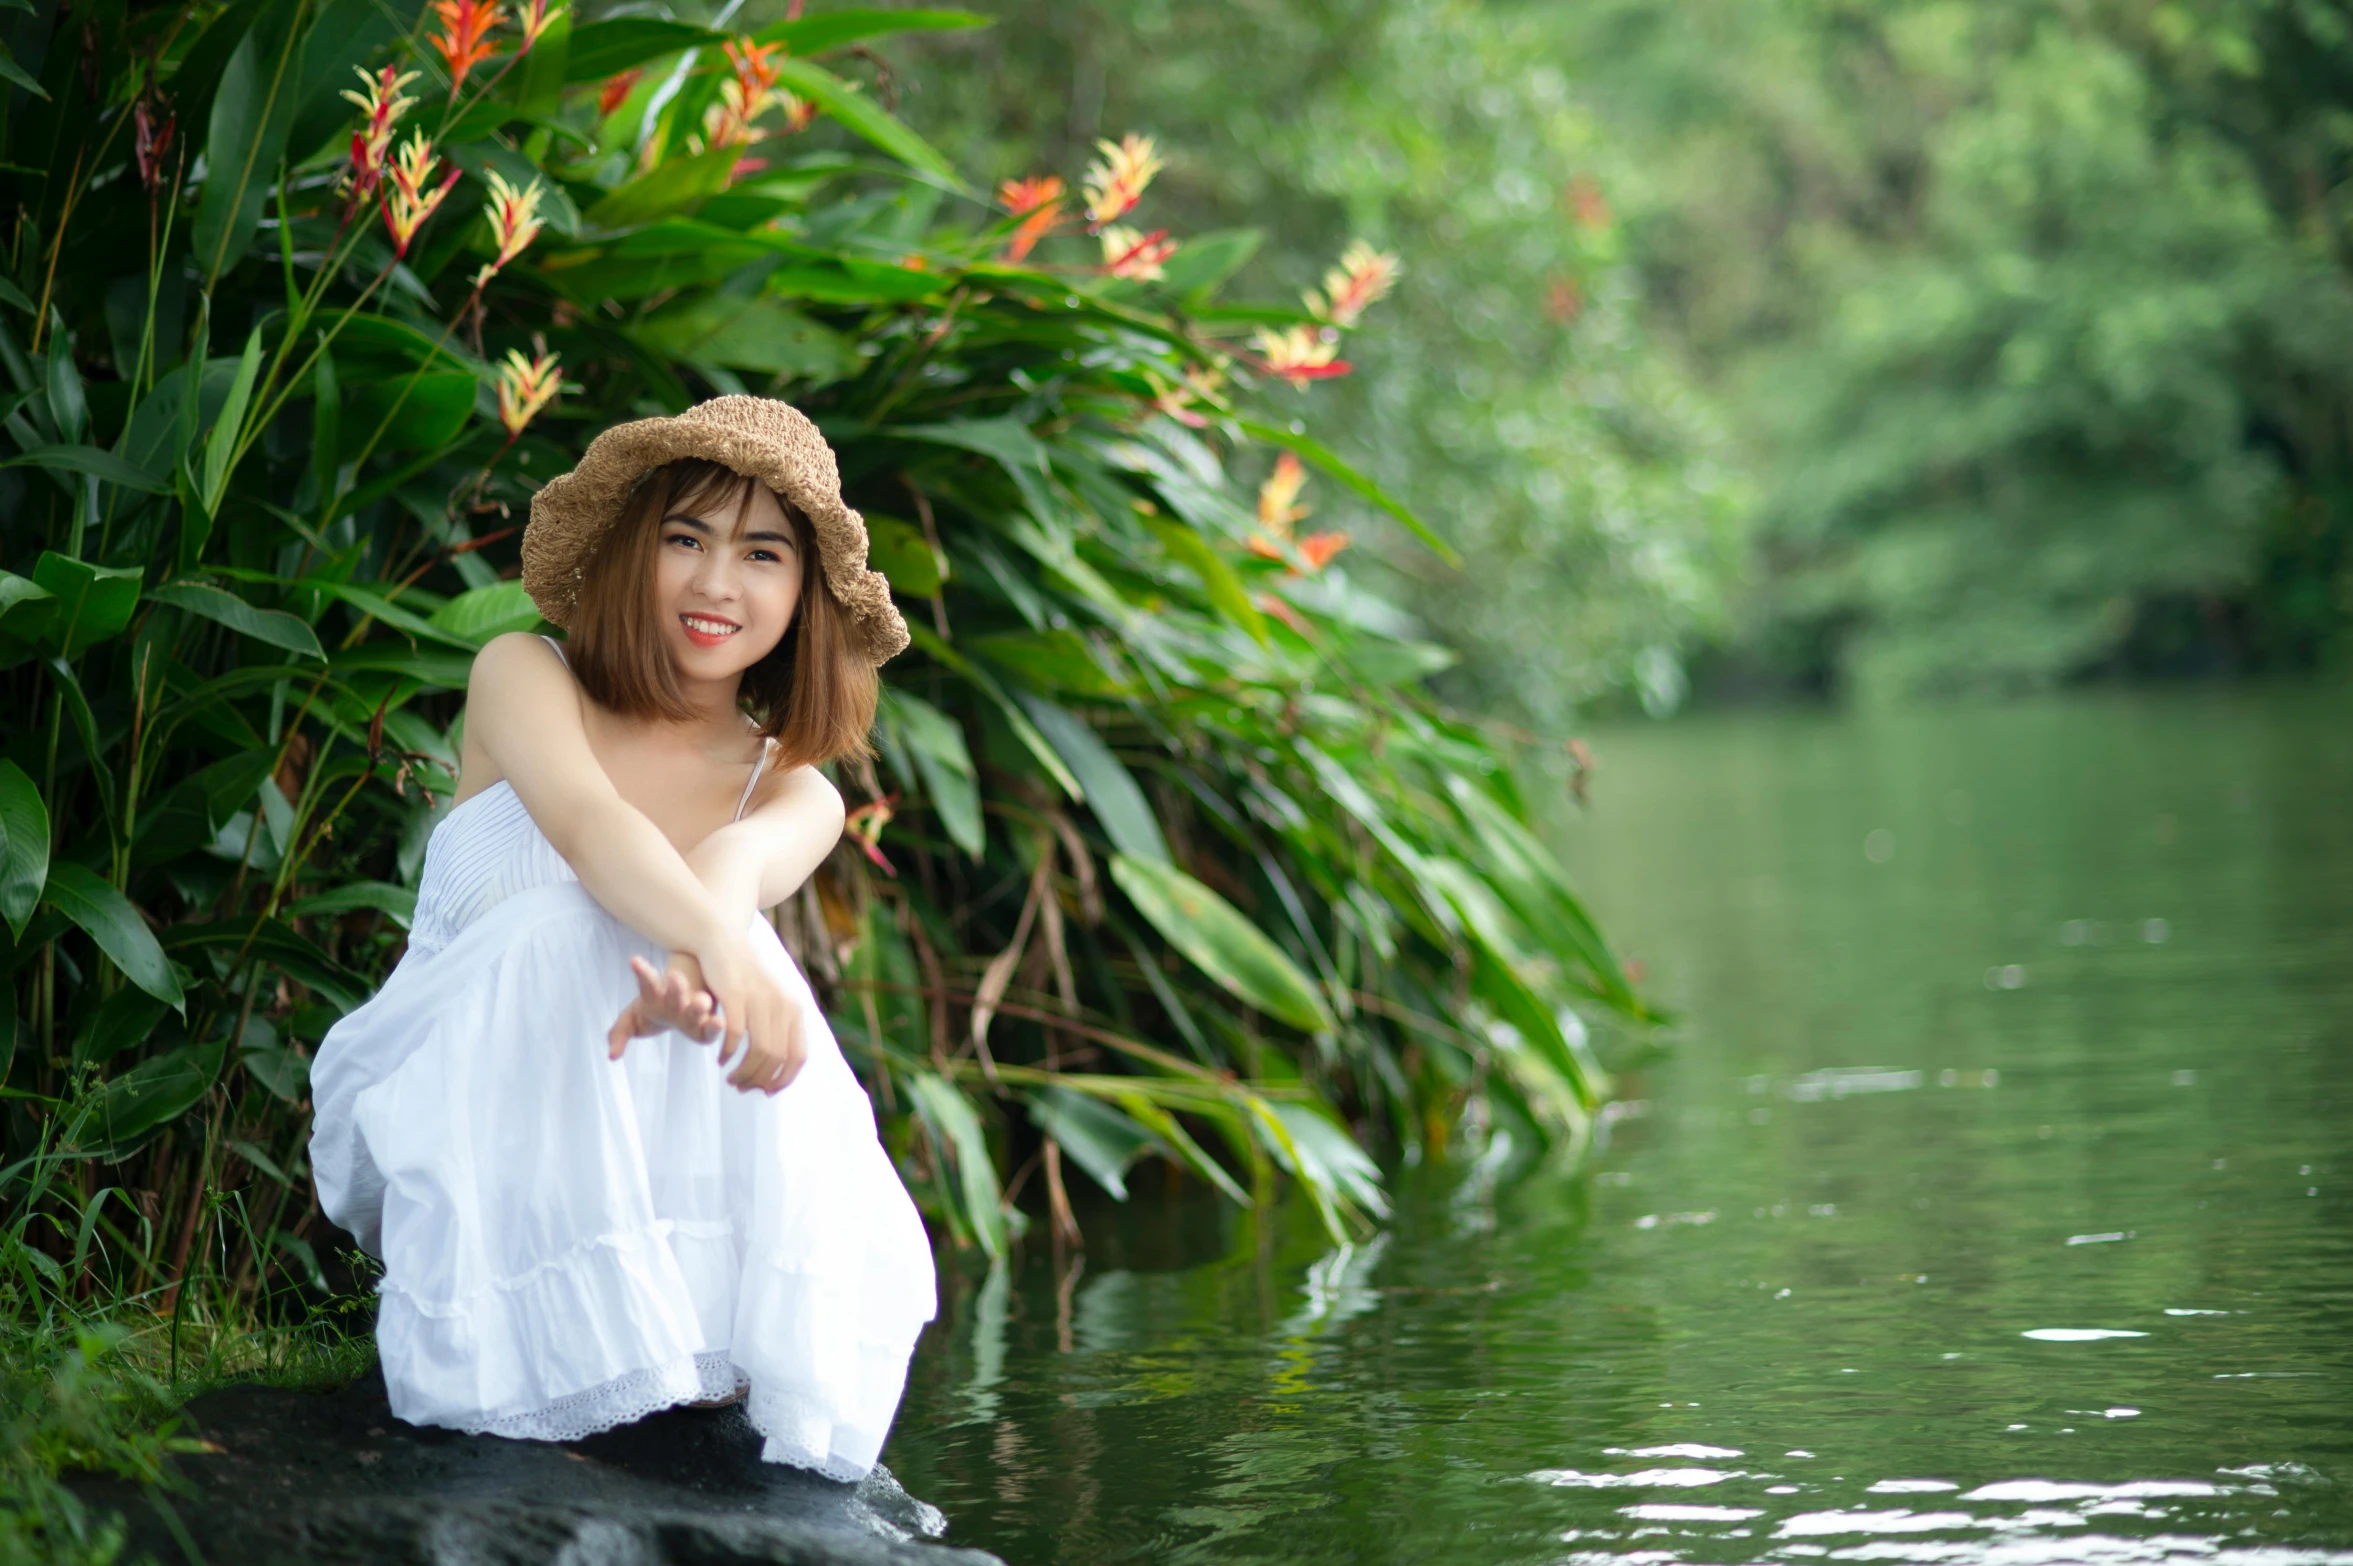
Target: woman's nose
716	576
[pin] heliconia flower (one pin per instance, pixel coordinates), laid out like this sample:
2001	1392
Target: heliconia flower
799	113
1363	276
514	217
1564	301
1116	182
616	90
1317	549
1136	257
464	39
538	16
381	106
525	386
1299	355
747	94
864	825
1278	497
410	203
1177	401
1037	201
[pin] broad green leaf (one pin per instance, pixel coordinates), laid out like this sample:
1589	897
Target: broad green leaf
1322	458
1219	579
1119	805
150	1094
1221	942
1019	721
24	847
812	35
251	114
69	409
485	612
123	1020
900	552
670	188
14	73
1495	981
93	602
945	763
957	1128
606	48
1204	261
97	463
1166	1127
863	117
108	918
1102	1140
399	903
220	448
764	336
272	626
277	943
1328	1156
376	605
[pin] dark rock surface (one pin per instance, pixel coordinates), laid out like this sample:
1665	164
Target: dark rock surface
333	1478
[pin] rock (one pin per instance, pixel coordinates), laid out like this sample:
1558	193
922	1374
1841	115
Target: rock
333	1479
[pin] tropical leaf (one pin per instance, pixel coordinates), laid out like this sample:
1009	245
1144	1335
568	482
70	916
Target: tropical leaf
107	917
1119	805
1221	942
830	30
484	612
88	460
1101	1139
608	47
272	626
957	1130
24	847
861	116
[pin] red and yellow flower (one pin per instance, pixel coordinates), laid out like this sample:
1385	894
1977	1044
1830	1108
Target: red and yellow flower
1136	257
525	386
1300	354
381	106
616	90
409	202
1363	276
1278	497
538	16
514	220
1116	181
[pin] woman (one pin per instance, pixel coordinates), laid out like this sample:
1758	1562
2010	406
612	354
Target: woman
595	1124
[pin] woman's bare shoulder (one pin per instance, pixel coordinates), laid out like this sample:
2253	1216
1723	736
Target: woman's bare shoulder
519	685
799	789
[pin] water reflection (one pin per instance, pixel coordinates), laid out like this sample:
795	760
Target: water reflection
1886	1261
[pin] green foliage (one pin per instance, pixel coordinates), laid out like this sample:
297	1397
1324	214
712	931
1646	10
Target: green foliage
1166	851
2035	320
1509	394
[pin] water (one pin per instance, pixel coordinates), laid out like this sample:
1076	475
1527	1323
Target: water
1991	1203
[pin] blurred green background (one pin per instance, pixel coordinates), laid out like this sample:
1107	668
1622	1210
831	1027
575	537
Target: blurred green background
1773	347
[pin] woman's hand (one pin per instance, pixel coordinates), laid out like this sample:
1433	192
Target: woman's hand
757	1014
669	1001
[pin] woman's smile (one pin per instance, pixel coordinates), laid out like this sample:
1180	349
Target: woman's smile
708	630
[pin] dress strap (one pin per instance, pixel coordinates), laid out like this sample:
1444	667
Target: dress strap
559	647
767	749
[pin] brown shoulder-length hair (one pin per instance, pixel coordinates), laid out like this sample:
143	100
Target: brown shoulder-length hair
812	694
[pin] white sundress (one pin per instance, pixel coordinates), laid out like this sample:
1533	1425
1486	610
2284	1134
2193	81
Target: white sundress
570	1242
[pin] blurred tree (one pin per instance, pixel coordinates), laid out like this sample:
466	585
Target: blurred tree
1517	401
2036	319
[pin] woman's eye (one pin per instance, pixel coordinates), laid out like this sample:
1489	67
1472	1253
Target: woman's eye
687	539
766	554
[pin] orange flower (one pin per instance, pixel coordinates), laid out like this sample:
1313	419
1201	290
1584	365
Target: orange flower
1363	276
1136	257
410	203
1563	301
1300	354
1586	203
1038	203
1115	183
749	93
380	106
1278	497
1317	549
464	39
1178	402
525	386
616	90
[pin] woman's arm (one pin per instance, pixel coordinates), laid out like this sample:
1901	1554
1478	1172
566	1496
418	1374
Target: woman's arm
523	710
754	863
523	713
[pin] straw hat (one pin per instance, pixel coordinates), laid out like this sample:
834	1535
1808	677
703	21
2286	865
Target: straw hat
758	437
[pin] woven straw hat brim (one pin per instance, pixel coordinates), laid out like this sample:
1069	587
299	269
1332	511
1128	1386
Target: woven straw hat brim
758	437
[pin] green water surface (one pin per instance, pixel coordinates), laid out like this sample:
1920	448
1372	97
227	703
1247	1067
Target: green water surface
1989	1204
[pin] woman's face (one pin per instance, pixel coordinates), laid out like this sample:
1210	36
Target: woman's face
727	579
